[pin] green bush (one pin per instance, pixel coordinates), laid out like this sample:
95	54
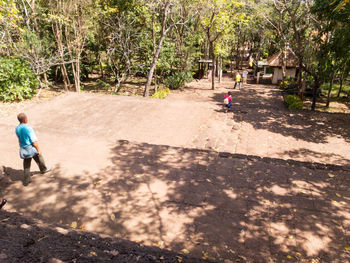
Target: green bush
178	80
103	84
294	102
161	93
17	80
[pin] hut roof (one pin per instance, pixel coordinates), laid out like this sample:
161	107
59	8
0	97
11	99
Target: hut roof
276	60
205	61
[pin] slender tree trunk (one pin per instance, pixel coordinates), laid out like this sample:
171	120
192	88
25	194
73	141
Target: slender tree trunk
213	73
257	59
316	87
57	29
164	32
153	66
284	61
101	66
330	90
340	85
77	75
45	79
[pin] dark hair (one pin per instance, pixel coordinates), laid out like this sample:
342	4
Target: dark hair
229	93
21	117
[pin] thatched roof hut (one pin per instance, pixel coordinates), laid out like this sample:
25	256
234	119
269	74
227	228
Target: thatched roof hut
276	62
277	59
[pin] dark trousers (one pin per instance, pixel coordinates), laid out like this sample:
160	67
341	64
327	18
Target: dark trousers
239	85
40	162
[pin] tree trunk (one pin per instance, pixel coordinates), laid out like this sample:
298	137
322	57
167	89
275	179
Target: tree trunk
164	32
314	92
340	85
57	29
101	67
77	75
153	66
284	60
45	80
330	90
213	73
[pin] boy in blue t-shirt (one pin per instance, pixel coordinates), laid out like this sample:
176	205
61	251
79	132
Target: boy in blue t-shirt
29	148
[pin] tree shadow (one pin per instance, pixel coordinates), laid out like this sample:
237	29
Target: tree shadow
213	205
262	107
26	240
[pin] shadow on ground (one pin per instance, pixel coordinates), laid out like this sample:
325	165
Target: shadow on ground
212	205
27	240
262	107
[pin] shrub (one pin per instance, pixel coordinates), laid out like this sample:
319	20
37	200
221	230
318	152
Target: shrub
178	80
17	80
294	102
161	93
103	84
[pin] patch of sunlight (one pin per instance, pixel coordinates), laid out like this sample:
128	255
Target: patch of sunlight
278	190
312	243
230	193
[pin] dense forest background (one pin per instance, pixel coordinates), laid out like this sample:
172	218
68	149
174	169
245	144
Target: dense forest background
159	43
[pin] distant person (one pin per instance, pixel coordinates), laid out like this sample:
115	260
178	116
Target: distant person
3	202
245	76
251	62
29	148
209	73
238	80
228	101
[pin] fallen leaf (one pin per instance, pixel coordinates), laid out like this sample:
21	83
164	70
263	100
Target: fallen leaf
331	175
205	244
343	203
298	254
4	220
347	248
41	238
74	225
160	243
289	257
185	251
93	253
179	259
239	169
208	180
205	255
339	195
290	237
82	227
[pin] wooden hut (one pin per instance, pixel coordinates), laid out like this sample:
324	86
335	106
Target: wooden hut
276	62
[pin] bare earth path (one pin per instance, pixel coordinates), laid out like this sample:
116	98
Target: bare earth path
135	168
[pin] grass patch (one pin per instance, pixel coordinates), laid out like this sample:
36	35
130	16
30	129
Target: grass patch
335	90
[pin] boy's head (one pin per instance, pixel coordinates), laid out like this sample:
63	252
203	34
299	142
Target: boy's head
22	118
229	93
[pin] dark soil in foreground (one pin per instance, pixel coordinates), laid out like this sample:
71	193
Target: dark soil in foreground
27	240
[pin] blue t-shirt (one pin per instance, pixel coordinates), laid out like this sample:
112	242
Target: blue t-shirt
26	135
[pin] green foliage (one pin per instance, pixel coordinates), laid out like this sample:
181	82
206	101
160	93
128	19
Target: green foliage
178	80
161	93
287	83
294	102
103	84
17	80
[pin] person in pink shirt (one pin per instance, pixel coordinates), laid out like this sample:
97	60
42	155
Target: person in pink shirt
227	101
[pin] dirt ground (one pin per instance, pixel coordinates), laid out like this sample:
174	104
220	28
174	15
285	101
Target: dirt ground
156	172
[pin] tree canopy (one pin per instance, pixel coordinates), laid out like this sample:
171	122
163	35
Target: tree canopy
67	41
